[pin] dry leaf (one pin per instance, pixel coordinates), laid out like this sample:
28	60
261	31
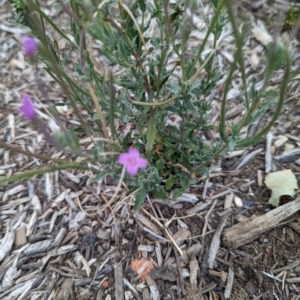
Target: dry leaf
282	183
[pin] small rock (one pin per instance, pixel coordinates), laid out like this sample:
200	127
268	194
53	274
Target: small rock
185	273
238	201
130	221
17	64
128	295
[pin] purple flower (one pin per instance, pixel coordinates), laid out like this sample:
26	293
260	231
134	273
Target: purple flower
132	161
27	108
30	46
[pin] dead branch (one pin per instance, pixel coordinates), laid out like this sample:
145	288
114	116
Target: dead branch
248	230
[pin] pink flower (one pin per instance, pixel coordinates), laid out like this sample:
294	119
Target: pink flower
30	46
132	161
27	109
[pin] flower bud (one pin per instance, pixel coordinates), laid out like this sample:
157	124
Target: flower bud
29	45
27	109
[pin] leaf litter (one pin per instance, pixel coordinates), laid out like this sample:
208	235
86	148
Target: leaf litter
282	183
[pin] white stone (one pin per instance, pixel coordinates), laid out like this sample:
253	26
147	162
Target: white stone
128	295
238	201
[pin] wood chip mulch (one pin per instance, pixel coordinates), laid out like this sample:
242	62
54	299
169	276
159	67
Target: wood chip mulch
219	240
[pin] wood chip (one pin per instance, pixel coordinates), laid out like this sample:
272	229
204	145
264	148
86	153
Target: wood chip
194	269
65	290
38	247
248	230
181	235
146	294
119	290
228	201
158	253
165	273
141	218
20	238
15	190
132	289
288	156
154	293
215	242
229	284
248	157
6	243
280	140
220	275
146	248
201	206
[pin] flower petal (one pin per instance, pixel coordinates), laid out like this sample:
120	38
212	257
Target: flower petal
134	153
142	162
124	159
30	46
132	169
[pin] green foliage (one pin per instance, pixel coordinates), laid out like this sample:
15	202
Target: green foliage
20	11
292	16
168	114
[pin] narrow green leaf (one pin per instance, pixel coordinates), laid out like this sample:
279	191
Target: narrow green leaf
161	194
139	198
142	4
151	133
177	193
159	165
170	182
101	176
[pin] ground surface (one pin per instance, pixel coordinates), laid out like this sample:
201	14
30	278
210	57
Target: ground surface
51	250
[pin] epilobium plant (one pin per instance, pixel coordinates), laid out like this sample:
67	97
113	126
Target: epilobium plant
136	69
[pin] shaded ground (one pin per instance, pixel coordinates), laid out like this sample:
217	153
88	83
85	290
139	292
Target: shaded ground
51	250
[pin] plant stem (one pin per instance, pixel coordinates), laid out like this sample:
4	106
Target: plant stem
103	127
30	154
239	52
204	42
32	173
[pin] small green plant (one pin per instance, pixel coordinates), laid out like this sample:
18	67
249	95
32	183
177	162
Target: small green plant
144	46
293	16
